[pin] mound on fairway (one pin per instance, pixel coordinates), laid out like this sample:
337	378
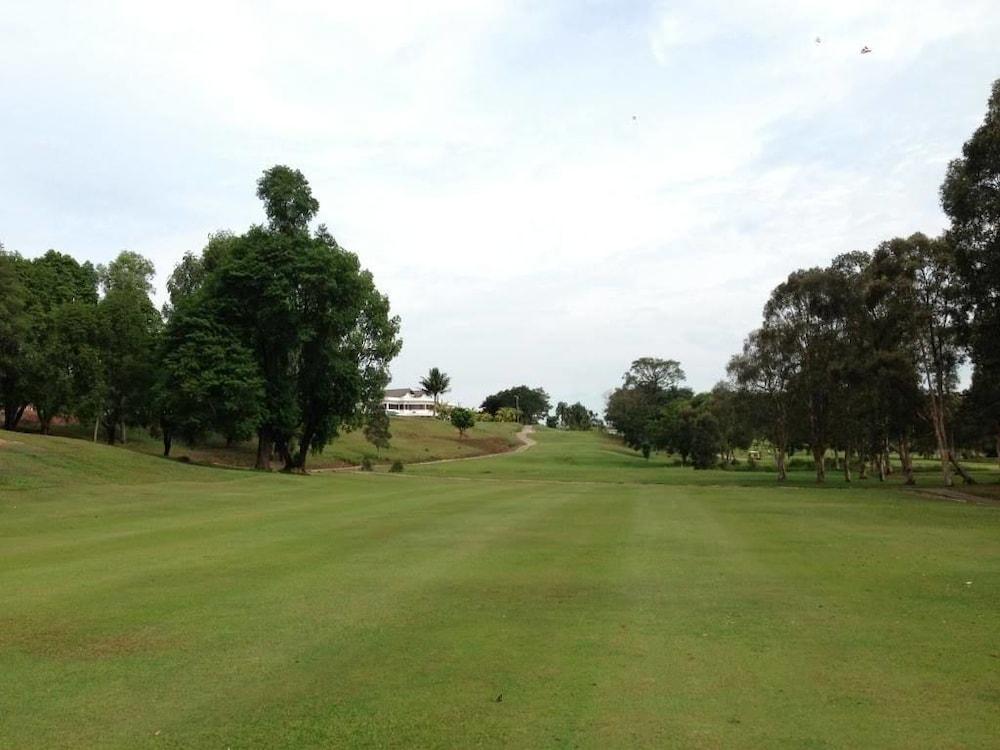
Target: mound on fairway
149	603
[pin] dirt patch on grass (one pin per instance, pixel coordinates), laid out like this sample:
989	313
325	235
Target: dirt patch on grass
490	444
988	495
68	643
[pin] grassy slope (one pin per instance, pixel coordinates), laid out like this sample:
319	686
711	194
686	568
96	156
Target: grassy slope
170	606
413	440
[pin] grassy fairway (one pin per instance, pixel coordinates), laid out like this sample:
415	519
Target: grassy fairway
152	604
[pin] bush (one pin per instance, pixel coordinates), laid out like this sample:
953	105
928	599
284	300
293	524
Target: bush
552	422
397	467
366	464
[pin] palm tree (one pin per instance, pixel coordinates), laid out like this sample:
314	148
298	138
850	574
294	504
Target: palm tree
435	384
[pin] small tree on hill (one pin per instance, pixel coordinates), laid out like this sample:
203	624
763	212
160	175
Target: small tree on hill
462	419
377	430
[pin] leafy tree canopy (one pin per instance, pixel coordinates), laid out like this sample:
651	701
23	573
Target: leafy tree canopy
533	403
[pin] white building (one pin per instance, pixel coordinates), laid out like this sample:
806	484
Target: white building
407	402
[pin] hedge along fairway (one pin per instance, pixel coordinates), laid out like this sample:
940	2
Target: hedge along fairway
152	604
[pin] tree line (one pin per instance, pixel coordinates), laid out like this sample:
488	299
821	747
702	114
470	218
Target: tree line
277	333
861	356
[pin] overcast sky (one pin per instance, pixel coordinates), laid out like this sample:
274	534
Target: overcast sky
546	191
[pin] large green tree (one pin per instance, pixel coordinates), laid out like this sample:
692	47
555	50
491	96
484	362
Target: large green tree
706	440
128	325
809	312
732	415
207	380
885	383
930	290
765	371
654	374
62	353
532	403
15	328
319	332
636	408
574	416
970	196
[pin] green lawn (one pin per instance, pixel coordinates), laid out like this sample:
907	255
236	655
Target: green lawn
152	604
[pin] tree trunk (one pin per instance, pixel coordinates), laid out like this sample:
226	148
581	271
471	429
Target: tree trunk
941	436
298	462
110	429
863	469
847	464
879	462
44	424
966	477
998	448
888	459
284	453
265	448
819	458
780	443
12	414
168	441
906	460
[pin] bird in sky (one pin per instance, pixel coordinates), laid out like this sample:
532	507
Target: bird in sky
865	50
818	40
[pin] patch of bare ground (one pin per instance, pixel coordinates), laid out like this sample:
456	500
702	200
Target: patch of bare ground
988	495
523	437
68	642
